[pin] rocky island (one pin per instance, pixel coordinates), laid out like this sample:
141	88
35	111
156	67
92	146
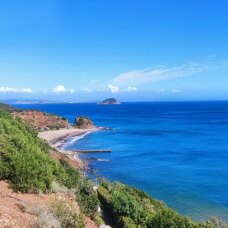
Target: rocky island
109	101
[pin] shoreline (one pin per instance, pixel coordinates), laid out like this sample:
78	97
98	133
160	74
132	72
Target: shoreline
57	139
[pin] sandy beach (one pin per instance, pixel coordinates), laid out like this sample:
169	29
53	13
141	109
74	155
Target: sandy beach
57	139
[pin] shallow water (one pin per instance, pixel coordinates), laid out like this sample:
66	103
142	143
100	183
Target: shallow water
175	151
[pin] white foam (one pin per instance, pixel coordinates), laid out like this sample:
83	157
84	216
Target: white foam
74	139
102	160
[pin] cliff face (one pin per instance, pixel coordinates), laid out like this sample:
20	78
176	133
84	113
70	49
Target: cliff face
83	122
42	121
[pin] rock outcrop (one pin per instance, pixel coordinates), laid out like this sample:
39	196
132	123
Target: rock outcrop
42	121
82	122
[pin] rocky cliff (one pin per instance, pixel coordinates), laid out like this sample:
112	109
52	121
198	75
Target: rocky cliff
82	122
42	121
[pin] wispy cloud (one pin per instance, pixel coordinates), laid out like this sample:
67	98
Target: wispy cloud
6	89
72	91
113	89
136	77
130	89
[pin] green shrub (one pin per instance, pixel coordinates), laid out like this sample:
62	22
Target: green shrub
66	214
24	158
73	177
129	207
86	196
125	204
8	108
127	223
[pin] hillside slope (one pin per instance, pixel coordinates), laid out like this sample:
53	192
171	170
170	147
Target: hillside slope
27	164
42	121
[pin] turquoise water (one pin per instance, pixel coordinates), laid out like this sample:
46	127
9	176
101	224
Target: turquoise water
175	151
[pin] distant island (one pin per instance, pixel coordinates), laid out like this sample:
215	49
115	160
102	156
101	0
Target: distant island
27	101
109	101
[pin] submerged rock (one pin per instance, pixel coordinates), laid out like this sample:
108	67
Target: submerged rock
105	128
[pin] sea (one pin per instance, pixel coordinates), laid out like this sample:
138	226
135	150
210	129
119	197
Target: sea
177	152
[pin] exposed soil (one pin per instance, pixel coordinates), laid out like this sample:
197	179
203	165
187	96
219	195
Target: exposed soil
42	121
17	209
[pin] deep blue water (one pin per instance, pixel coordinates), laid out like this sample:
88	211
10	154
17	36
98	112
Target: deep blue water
175	151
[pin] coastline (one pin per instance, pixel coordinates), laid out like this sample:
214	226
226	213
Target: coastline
57	139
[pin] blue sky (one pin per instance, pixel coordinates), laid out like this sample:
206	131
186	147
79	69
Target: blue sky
132	50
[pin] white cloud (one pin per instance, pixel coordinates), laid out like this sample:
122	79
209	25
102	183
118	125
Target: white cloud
130	89
136	77
6	89
72	91
113	89
59	89
26	90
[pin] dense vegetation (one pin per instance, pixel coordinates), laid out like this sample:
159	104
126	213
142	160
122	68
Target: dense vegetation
23	157
129	207
86	197
8	108
25	162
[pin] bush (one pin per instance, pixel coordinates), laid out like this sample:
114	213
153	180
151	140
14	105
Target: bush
127	223
24	158
129	207
125	204
45	219
8	108
66	214
73	176
86	196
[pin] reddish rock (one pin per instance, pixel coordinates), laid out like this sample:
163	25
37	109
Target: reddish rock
82	122
42	121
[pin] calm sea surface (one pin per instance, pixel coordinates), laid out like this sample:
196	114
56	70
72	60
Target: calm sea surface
175	151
